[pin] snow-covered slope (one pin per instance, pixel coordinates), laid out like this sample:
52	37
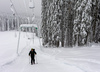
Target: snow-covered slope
84	59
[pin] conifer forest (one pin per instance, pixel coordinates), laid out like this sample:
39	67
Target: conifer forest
69	23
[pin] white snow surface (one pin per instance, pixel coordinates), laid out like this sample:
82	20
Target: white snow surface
77	59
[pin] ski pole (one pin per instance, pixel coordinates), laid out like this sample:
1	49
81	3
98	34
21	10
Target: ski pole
29	59
36	59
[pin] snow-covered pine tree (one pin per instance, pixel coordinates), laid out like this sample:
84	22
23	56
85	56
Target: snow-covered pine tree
68	22
95	19
72	22
82	22
97	37
58	21
44	22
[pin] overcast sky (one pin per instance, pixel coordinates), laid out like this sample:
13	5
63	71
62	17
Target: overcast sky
22	6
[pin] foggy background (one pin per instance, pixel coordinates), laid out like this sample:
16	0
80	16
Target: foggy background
21	6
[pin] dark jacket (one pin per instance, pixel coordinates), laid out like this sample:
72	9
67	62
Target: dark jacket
32	53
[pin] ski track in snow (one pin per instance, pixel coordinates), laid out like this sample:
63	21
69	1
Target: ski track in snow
58	52
51	60
26	67
9	62
87	60
65	60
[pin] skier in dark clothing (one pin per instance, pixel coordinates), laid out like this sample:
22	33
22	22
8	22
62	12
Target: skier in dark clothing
32	54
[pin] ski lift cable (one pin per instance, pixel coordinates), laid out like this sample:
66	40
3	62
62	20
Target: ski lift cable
15	12
14	7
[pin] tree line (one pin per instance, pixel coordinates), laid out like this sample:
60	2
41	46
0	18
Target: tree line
70	22
11	22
